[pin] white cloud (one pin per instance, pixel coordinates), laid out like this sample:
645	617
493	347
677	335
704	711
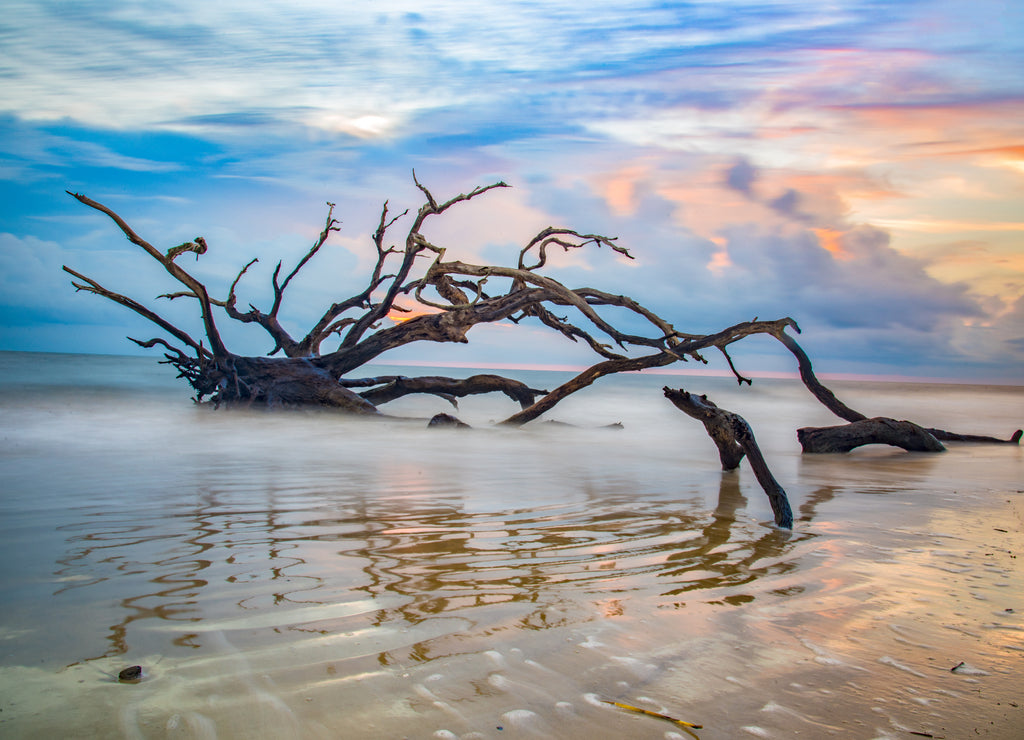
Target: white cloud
617	117
122	65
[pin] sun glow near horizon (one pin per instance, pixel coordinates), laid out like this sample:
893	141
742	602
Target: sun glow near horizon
757	159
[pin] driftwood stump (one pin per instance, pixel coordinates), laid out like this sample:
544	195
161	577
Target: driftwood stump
734	438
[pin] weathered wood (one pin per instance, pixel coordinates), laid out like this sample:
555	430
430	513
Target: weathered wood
717	422
415	294
917	438
825	396
387	388
945	436
880	430
691	346
285	382
196	288
734	438
448	298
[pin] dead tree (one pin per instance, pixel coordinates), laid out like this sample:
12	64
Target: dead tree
415	293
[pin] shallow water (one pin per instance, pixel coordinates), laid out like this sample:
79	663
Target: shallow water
300	574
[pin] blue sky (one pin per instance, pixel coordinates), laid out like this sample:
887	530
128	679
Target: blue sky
858	166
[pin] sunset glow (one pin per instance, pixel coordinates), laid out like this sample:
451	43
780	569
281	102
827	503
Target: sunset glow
856	166
400	317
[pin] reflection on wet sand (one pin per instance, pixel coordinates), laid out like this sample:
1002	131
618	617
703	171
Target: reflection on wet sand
310	582
369	591
173	568
549	565
721	565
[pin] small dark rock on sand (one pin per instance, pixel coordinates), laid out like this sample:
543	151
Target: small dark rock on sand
447	420
131	674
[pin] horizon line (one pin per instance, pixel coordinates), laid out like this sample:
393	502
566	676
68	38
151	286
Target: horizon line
706	372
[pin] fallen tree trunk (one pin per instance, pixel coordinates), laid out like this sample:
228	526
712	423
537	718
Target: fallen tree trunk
880	430
884	431
287	382
735	439
412	294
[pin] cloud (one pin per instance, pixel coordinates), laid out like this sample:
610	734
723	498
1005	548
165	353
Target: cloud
30	275
705	260
1010	325
820	160
121	66
741	176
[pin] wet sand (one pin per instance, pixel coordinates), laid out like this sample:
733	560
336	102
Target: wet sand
302	576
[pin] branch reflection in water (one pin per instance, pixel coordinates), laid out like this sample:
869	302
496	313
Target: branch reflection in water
605	554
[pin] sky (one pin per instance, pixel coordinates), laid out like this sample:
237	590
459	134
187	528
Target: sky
857	165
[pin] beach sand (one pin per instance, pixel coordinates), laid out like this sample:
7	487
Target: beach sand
300	575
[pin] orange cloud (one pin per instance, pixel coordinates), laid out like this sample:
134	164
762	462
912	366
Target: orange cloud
831	241
846	184
946	226
619	189
1011	151
720	260
943	129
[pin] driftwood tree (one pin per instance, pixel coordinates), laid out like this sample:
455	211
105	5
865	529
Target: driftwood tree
436	299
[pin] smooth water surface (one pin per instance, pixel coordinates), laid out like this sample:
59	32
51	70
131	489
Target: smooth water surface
300	574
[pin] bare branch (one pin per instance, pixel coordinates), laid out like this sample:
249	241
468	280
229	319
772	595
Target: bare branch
330	226
566	239
391	387
198	247
739	378
91	286
216	343
415	244
327	325
184	294
823	394
430	198
586	378
229	303
179	356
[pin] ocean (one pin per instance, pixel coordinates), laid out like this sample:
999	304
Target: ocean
305	574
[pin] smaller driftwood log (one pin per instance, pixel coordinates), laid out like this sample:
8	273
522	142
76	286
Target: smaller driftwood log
880	430
884	431
734	438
